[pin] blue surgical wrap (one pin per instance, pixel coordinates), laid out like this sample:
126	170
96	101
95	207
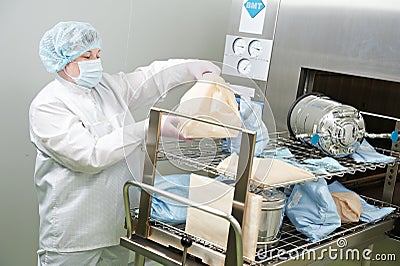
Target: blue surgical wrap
328	163
315	169
164	209
312	211
65	42
367	154
251	115
278	153
370	212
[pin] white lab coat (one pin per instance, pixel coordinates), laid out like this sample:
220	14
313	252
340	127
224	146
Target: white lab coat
82	136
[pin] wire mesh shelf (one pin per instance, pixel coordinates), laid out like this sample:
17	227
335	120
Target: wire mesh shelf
291	243
303	151
294	244
196	155
206	155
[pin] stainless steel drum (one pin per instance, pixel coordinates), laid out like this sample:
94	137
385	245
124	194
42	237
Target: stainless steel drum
335	128
271	217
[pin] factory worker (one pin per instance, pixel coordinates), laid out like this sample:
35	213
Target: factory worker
81	127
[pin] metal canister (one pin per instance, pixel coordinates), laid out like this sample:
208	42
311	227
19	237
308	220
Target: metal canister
271	216
339	128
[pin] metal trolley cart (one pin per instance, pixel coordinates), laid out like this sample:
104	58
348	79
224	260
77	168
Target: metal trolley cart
171	245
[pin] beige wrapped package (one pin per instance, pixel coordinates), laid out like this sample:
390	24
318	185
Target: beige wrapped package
348	205
267	171
217	195
210	99
251	225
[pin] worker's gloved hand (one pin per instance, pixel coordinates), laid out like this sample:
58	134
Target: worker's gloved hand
199	67
169	128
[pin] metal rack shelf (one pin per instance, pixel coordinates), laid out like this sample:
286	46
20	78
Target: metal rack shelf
302	151
207	156
195	155
292	244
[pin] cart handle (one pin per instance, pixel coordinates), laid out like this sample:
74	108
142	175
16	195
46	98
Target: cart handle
151	189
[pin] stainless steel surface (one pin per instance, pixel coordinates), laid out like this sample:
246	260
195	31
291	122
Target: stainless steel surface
367	262
139	258
340	128
147	248
170	236
350	37
391	173
148	172
243	173
184	256
272	209
256	65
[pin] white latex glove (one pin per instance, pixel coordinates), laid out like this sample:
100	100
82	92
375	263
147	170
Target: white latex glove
199	67
169	129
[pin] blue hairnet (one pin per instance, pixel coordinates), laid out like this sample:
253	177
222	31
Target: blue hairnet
65	42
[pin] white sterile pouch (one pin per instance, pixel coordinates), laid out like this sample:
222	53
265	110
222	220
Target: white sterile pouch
210	99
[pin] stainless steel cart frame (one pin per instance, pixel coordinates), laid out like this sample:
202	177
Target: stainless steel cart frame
234	249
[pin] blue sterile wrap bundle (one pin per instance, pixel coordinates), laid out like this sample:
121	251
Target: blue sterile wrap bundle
251	115
326	165
367	154
312	211
164	209
370	212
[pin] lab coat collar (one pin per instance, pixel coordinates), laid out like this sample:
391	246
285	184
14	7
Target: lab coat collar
74	87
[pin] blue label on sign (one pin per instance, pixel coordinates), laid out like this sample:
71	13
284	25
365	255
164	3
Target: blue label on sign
254	7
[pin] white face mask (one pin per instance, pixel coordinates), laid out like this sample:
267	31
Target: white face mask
90	75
